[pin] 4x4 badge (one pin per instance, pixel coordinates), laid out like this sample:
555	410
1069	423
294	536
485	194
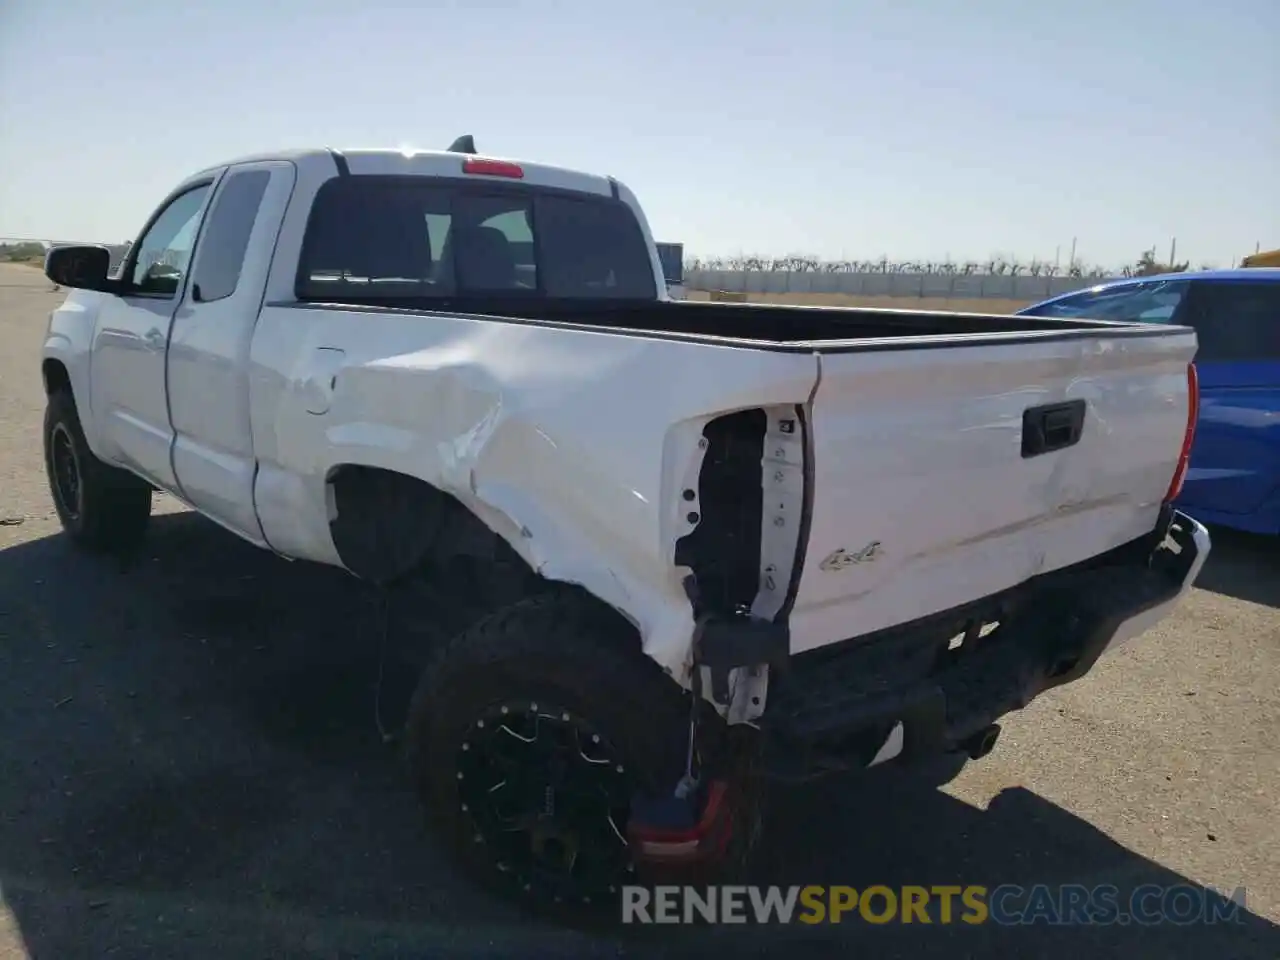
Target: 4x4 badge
842	559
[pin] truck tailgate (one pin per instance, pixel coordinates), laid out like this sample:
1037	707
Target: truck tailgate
922	497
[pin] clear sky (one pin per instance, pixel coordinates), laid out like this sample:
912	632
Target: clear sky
842	128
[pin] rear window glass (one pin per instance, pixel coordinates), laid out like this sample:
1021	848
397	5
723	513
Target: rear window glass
371	237
1154	302
1237	321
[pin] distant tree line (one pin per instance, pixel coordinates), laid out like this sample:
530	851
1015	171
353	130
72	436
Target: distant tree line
1146	265
33	251
22	252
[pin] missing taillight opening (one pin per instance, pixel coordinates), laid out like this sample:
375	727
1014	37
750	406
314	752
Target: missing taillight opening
1188	437
492	168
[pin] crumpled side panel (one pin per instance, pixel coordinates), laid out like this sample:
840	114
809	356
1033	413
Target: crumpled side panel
571	445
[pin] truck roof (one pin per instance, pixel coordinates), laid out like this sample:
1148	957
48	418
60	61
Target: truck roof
1227	273
407	161
1251	274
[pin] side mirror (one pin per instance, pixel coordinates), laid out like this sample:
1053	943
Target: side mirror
82	267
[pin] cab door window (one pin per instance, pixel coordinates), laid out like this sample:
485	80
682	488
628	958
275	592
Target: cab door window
164	251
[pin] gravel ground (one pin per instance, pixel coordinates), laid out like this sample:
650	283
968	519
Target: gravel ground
190	767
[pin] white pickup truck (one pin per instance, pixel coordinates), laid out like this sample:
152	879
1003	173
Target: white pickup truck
668	549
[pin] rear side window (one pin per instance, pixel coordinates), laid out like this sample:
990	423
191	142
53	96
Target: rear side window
226	235
370	237
1153	302
1237	320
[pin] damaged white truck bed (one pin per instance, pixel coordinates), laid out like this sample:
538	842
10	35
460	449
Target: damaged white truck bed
852	534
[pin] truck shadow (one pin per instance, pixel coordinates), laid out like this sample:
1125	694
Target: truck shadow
191	766
1243	565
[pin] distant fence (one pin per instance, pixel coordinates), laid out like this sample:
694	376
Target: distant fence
940	285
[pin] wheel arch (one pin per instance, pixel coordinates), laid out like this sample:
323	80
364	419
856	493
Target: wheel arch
60	373
386	523
64	367
56	376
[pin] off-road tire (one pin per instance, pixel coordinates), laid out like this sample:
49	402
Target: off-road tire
112	507
563	647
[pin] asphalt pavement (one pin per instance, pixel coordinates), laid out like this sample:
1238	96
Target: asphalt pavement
190	765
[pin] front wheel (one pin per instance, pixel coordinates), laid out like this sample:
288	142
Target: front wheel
528	739
101	507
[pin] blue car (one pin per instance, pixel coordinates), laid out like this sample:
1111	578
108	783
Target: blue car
1234	479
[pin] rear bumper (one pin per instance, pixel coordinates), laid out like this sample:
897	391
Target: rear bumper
912	691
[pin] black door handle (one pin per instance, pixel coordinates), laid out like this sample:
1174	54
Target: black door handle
1054	426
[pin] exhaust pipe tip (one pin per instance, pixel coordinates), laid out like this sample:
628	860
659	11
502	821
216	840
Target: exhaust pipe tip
980	744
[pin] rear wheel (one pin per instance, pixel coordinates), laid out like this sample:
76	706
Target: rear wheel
528	739
100	507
